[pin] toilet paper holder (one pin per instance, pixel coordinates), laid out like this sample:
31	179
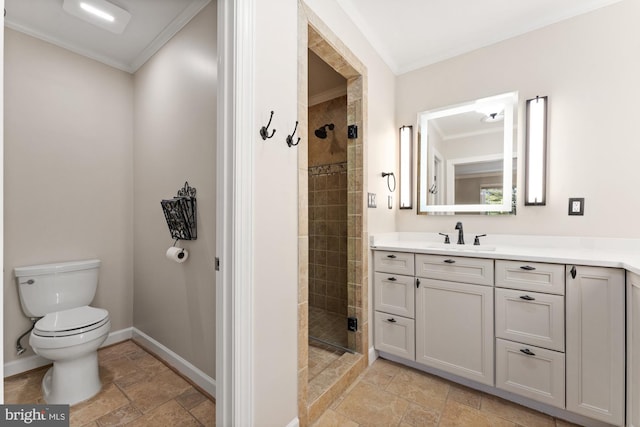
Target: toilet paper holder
181	212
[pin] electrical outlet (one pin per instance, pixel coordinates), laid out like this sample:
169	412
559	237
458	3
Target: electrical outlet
371	200
576	206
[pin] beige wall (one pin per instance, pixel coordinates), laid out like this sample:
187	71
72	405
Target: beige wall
589	68
68	173
175	140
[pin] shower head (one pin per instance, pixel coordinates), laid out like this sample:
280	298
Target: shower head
321	132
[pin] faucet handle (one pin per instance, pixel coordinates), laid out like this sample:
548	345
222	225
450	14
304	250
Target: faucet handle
446	238
476	241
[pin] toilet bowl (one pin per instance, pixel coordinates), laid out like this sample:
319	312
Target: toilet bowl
71	338
69	331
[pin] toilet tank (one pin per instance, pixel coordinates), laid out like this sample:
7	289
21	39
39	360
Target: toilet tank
48	288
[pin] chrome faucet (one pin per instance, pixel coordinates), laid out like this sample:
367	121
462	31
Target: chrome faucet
460	233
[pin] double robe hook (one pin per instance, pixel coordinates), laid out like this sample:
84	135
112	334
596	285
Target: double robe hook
264	130
290	137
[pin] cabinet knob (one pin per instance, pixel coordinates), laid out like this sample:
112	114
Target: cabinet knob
527	298
527	352
573	272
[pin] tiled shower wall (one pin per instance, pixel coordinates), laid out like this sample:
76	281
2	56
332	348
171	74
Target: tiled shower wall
328	237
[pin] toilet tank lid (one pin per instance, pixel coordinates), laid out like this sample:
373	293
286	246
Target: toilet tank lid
55	268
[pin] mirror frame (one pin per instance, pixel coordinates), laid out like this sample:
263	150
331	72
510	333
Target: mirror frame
510	101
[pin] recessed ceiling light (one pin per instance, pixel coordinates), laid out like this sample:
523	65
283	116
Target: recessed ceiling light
97	12
100	13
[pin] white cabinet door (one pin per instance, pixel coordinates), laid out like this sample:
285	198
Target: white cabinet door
633	350
531	318
395	335
454	328
530	371
595	351
394	294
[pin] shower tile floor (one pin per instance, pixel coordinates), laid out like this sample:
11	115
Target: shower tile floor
328	326
138	390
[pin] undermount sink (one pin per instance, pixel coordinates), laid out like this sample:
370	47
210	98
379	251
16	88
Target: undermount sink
455	247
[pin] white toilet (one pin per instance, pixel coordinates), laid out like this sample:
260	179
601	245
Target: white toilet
69	332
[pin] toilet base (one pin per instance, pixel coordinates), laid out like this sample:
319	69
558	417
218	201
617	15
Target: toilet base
72	381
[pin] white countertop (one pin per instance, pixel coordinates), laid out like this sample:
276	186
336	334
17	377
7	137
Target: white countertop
594	251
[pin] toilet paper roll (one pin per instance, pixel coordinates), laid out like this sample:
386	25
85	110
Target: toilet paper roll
178	255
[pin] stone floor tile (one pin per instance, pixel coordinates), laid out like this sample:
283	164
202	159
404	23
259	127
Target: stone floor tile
205	412
458	415
190	398
150	394
424	389
168	414
513	412
108	400
368	405
417	416
120	416
465	395
332	419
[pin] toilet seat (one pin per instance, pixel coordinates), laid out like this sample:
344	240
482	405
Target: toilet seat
75	321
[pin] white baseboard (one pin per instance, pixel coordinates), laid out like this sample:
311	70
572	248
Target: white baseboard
373	355
34	361
294	423
201	379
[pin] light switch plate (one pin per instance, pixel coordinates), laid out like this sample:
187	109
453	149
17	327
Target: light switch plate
576	206
371	200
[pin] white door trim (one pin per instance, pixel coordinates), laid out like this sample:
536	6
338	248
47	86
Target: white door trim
234	225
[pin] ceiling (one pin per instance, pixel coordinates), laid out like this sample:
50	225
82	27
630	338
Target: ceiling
410	34
152	24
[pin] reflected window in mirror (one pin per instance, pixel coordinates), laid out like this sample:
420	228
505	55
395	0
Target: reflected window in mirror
467	157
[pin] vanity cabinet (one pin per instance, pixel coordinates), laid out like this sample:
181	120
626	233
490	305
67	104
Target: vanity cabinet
454	317
394	303
552	333
633	350
595	342
530	324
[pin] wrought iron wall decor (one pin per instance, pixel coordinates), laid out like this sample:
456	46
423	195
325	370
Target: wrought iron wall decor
181	212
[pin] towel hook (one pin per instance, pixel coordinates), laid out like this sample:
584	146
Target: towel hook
264	130
290	137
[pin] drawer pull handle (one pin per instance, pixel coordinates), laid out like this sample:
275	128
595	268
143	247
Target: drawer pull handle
392	279
527	352
527	268
527	298
573	272
392	320
449	261
391	256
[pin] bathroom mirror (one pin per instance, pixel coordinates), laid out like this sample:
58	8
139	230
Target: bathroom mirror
467	157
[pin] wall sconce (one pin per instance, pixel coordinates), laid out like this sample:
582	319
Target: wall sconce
535	185
406	167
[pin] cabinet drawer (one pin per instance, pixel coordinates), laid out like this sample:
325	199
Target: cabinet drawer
394	262
395	335
477	271
530	276
530	371
531	318
394	294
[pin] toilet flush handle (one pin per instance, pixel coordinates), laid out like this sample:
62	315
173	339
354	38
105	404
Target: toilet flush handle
28	282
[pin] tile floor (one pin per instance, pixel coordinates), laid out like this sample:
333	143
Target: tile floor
138	390
328	326
389	394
